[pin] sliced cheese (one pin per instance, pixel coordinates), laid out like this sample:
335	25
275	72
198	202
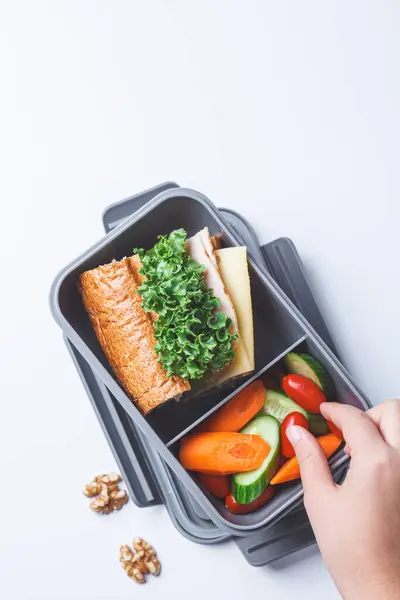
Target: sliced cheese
234	271
239	365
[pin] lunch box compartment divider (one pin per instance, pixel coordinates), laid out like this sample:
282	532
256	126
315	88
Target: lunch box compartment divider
169	210
217	399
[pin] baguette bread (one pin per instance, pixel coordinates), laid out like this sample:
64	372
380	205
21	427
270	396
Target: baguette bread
126	332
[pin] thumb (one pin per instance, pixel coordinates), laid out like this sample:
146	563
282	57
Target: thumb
314	469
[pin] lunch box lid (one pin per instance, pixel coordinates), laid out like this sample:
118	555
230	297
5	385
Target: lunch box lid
149	480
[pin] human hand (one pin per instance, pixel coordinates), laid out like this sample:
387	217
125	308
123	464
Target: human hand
357	524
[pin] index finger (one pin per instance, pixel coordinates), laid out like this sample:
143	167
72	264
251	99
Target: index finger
386	417
358	429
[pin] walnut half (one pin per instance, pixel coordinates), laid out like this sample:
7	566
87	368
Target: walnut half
108	496
130	564
141	562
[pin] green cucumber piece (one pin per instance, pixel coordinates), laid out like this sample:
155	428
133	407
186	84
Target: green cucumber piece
246	487
317	425
278	405
310	367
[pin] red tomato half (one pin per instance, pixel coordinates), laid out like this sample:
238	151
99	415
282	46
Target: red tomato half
242	509
294	418
304	391
334	429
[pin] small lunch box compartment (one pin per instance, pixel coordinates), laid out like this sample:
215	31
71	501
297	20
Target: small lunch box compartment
279	328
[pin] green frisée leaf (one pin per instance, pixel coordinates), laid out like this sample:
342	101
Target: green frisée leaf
192	336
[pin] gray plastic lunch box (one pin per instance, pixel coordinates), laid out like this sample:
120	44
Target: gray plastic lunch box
147	448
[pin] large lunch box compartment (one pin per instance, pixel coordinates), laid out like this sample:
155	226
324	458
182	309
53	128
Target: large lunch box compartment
275	330
279	327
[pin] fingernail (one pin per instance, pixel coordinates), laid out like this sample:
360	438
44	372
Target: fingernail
294	434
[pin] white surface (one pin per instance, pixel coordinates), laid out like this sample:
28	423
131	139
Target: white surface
286	111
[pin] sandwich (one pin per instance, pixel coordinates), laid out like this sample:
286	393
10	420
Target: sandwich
175	314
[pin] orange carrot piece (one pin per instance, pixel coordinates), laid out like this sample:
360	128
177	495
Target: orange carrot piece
218	485
291	470
223	453
237	412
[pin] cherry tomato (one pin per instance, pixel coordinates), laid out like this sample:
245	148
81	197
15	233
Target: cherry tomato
242	509
295	418
218	485
334	429
304	391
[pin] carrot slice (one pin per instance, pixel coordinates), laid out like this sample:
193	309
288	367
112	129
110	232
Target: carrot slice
218	485
234	415
223	453
291	470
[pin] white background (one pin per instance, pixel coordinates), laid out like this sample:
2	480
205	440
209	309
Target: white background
285	111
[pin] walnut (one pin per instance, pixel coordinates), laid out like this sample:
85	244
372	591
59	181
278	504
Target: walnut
137	564
109	496
149	555
130	564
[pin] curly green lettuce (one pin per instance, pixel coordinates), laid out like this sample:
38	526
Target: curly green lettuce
193	337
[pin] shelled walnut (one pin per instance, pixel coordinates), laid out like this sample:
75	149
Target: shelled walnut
108	496
141	562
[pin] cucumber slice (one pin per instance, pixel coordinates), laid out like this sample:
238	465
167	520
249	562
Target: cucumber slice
317	425
246	487
278	405
310	367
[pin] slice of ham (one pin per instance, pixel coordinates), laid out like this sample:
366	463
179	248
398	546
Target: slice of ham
209	246
201	250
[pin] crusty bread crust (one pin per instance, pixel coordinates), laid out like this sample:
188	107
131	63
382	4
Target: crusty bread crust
126	333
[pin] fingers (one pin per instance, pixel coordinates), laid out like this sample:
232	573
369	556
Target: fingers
386	417
315	473
359	431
